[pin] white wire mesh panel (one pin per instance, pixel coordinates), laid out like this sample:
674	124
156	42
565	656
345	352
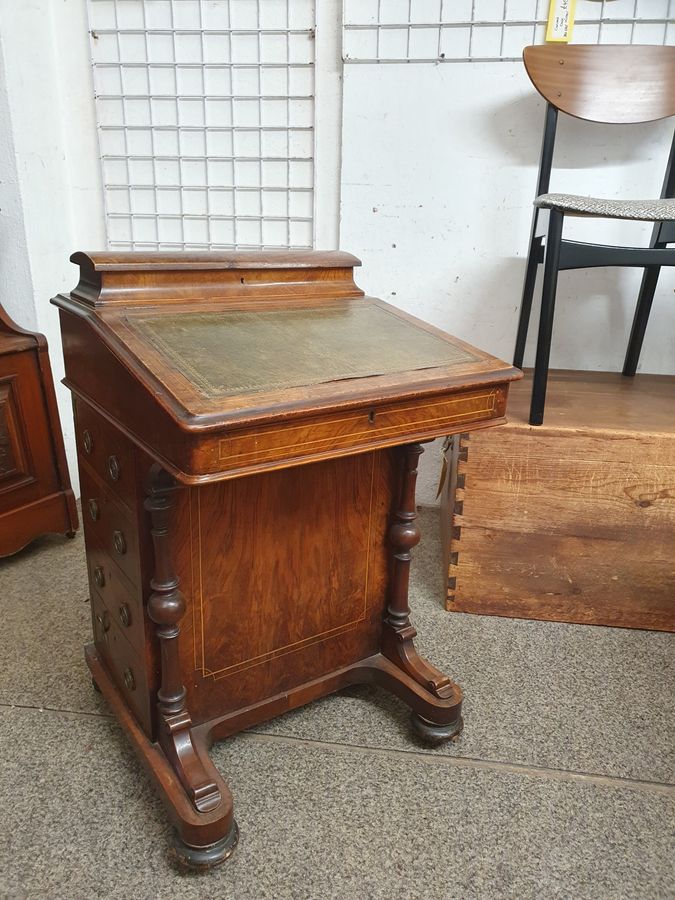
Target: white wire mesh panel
436	31
205	114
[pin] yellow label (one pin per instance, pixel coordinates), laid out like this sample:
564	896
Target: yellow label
560	21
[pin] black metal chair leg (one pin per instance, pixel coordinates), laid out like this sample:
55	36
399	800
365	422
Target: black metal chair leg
533	260
551	264
650	278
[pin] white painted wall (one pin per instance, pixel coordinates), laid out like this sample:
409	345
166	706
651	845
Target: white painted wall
50	191
438	174
328	124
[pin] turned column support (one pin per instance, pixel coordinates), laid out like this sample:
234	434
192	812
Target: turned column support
398	633
404	536
166	607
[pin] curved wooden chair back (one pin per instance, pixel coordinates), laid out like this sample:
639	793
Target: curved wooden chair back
615	84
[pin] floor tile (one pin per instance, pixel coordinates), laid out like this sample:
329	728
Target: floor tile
588	699
46	618
80	821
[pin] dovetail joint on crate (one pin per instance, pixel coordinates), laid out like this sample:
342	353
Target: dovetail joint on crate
457	513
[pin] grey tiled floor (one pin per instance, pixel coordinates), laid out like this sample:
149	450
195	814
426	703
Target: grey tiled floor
562	784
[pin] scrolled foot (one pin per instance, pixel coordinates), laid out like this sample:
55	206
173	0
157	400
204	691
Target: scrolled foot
95	686
432	733
200	859
71	535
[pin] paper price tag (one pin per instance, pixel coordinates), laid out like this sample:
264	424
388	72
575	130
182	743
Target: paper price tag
560	20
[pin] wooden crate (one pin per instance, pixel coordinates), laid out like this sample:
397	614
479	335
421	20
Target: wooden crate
574	520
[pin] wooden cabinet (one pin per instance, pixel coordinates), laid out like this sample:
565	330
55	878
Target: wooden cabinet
35	493
248	431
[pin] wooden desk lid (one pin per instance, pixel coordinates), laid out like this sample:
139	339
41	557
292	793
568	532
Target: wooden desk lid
234	338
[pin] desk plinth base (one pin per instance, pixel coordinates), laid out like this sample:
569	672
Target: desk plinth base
204	840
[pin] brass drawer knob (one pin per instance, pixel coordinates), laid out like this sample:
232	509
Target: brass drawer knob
129	679
103	620
87	441
99	576
125	614
114	469
94	510
119	542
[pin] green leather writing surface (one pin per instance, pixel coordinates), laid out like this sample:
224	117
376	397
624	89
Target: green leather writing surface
242	351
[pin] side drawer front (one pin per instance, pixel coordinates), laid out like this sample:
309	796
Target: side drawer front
107	451
378	426
108	526
122	601
124	664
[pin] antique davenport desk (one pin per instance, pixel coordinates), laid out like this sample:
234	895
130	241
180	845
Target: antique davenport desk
248	429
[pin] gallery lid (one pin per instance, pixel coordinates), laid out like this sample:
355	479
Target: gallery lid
140	276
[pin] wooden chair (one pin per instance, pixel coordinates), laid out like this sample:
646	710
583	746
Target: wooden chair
614	85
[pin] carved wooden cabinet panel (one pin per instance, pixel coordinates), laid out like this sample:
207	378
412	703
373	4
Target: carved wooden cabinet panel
35	494
15	468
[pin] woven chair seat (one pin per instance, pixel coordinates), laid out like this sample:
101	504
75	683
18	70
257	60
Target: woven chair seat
644	210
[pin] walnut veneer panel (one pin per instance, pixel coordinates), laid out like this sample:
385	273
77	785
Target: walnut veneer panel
313	543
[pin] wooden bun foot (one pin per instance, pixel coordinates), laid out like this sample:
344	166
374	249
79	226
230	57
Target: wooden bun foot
432	733
200	859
